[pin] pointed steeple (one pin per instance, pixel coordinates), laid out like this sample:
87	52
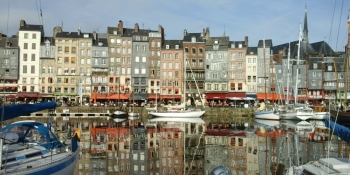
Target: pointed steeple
305	30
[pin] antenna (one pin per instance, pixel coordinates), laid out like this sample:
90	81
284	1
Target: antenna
61	23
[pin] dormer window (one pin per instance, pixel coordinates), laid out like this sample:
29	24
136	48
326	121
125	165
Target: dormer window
232	45
176	46
193	39
167	46
240	45
216	42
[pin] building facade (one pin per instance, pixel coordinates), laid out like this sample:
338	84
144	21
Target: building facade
47	64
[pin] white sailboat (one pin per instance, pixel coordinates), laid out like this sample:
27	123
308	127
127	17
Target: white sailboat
292	112
180	112
132	115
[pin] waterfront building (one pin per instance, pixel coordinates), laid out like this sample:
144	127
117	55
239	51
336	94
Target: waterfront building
47	64
140	62
99	66
252	154
172	71
119	80
194	53
251	72
9	70
156	41
29	40
216	78
73	64
263	69
236	62
138	150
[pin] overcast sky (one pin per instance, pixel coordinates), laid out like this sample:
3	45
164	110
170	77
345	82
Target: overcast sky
278	20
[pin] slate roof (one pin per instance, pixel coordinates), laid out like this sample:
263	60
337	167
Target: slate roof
72	35
189	36
13	41
30	27
110	30
254	51
100	40
224	40
318	47
51	39
268	43
172	44
236	43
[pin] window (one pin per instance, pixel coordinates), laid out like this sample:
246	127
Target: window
25	35
313	74
24	69
144	48
66	50
329	68
25	57
143	59
32	69
193	39
33	46
72	60
25	46
315	65
34	36
176	56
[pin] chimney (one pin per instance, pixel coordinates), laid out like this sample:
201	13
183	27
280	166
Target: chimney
22	23
207	33
56	30
94	34
203	33
246	41
136	28
120	27
79	31
185	32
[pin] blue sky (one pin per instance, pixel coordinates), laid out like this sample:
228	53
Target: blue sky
273	19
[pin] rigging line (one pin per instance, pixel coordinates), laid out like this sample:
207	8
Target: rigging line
36	2
341	12
195	151
330	31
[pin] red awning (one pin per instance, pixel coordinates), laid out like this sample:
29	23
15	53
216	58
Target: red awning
216	95
236	94
170	96
10	96
153	96
273	97
119	96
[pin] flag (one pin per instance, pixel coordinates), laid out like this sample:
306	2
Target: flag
312	133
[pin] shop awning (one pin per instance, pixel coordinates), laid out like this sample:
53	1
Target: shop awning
119	96
170	96
153	96
236	94
216	96
138	97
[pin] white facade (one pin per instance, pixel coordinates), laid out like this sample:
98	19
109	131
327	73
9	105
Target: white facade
29	44
251	72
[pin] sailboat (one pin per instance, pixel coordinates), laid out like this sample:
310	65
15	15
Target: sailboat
132	115
30	147
182	112
296	111
119	115
262	112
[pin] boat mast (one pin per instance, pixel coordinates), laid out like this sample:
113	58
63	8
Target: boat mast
264	69
297	72
347	69
288	61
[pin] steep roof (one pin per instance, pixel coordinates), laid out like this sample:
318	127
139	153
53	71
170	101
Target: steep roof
73	35
13	42
252	51
268	43
188	37
51	39
30	27
223	40
323	48
172	44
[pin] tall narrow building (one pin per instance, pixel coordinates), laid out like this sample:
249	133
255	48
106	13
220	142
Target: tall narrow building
29	39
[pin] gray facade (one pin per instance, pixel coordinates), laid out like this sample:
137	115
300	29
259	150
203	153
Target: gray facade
263	61
139	64
100	64
216	63
9	58
138	151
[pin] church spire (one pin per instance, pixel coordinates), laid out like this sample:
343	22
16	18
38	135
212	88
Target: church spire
305	30
224	30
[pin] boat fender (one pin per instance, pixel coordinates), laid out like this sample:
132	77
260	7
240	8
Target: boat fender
77	132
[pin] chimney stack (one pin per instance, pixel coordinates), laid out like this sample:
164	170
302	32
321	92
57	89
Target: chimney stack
207	33
136	28
56	30
120	27
203	33
22	23
94	34
246	41
79	31
185	32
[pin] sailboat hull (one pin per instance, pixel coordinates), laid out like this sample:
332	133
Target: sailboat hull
320	116
267	115
133	116
178	114
340	116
